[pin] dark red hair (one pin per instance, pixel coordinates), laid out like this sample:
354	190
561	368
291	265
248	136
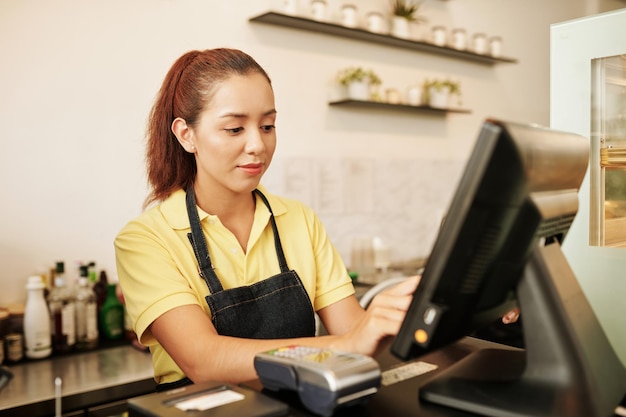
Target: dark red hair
185	92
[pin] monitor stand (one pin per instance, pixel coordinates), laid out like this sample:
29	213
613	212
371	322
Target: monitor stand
568	367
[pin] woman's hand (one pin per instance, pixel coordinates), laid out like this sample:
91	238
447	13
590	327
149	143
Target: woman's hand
382	319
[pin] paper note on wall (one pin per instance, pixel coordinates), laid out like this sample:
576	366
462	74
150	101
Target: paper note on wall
298	184
328	185
359	186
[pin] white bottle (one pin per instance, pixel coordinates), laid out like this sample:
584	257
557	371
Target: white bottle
36	321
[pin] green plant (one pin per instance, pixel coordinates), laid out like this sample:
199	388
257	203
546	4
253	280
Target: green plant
453	86
407	9
348	75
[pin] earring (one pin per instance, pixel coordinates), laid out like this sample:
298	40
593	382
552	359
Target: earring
193	148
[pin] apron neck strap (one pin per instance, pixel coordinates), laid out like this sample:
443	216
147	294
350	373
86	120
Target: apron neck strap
282	262
198	242
201	250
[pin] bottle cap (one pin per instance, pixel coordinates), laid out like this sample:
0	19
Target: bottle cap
60	269
34	283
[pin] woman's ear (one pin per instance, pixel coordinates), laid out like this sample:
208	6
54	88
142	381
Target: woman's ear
184	134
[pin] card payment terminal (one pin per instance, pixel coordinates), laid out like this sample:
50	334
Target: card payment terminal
323	378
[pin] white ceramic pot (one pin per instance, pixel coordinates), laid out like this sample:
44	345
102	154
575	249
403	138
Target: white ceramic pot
400	27
439	98
359	90
414	95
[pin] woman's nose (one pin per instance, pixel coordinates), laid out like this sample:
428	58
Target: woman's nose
255	142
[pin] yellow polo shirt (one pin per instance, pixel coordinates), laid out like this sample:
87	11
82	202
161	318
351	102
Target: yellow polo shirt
158	270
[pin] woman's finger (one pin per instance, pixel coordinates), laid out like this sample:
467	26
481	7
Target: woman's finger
511	317
405	287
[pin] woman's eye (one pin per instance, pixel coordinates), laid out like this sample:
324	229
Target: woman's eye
268	128
234	131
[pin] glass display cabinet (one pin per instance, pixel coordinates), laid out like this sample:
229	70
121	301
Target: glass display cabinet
588	97
607	226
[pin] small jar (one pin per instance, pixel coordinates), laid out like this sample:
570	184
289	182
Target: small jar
374	22
495	46
290	7
318	10
438	35
392	96
458	39
480	43
348	15
14	347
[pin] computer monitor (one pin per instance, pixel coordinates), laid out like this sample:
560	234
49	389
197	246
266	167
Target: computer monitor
499	247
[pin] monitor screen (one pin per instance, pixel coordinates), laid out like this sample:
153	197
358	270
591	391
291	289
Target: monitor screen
499	247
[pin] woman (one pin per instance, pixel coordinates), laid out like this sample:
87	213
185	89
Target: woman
220	269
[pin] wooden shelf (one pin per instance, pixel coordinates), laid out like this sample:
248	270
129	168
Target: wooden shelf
327	28
377	105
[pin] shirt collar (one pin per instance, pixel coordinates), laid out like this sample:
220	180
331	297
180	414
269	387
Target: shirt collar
174	209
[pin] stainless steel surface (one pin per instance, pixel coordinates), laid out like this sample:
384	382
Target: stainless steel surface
89	379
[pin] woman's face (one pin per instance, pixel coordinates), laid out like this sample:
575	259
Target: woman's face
235	137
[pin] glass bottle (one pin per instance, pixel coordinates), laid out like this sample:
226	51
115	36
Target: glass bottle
100	289
91	273
86	313
61	305
112	315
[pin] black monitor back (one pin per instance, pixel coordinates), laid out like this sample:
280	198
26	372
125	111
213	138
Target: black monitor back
500	247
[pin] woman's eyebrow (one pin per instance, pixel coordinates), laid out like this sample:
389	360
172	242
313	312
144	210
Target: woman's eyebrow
243	115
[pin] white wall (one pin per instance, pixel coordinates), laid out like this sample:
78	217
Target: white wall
78	78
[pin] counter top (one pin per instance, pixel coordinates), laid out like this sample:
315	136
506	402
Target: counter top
89	379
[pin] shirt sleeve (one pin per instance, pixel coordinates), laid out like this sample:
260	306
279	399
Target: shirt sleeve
151	279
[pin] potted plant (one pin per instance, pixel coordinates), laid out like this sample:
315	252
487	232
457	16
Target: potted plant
437	92
358	81
403	13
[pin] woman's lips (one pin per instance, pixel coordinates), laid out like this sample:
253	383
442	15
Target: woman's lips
252	169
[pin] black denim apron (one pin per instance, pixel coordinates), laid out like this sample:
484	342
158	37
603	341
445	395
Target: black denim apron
277	307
